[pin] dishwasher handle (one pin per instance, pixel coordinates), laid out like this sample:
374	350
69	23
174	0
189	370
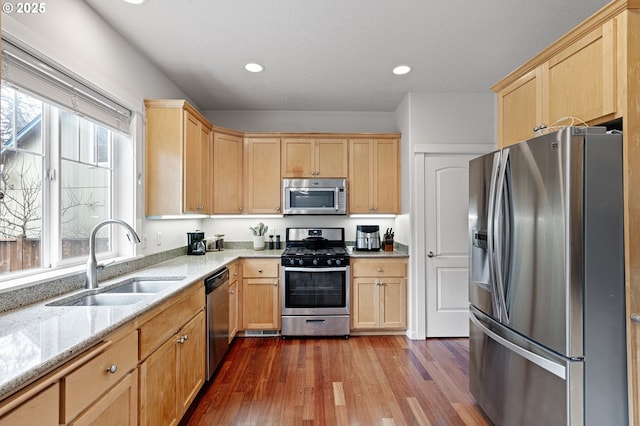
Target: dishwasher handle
216	280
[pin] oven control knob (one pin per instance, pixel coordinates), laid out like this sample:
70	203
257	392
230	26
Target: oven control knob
338	261
300	262
315	261
291	261
329	262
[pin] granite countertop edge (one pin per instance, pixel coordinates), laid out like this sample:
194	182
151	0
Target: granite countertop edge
33	341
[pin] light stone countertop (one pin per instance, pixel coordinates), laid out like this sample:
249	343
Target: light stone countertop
36	339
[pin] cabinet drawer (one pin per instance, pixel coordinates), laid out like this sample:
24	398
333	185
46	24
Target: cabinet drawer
38	410
164	325
260	268
92	379
379	268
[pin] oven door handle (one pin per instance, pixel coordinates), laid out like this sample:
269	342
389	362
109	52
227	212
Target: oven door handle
314	269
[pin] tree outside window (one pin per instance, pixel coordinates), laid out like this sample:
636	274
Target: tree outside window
30	165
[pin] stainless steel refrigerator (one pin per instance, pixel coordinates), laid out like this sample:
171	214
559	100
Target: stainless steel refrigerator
547	305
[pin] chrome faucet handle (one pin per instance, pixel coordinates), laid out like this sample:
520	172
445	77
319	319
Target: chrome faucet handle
102	265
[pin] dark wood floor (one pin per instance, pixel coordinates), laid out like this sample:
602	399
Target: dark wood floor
365	380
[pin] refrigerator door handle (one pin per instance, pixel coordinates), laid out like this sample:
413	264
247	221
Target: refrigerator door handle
499	235
495	169
548	365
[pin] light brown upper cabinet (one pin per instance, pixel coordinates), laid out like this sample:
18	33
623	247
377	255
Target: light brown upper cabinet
582	77
374	176
227	173
262	184
323	158
178	152
520	108
577	80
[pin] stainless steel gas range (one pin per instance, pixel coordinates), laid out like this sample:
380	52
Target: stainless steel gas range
315	283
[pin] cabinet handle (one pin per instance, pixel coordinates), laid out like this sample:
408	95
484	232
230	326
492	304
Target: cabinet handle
275	283
240	209
277	209
181	340
379	269
231	292
112	369
260	270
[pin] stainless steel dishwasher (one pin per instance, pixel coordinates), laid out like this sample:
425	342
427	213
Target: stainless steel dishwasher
217	291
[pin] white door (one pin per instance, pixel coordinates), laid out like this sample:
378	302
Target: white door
446	245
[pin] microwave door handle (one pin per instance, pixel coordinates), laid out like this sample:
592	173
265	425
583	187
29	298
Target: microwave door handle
336	197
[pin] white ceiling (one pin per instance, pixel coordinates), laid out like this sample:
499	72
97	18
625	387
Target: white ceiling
337	55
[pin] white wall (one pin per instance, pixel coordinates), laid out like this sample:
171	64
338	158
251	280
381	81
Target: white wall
73	35
427	119
304	121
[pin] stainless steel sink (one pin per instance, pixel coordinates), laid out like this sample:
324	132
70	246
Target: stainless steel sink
143	285
102	299
126	292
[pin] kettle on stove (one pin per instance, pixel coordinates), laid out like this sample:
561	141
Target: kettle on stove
196	243
368	237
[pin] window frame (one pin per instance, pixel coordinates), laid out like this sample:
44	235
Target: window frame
52	193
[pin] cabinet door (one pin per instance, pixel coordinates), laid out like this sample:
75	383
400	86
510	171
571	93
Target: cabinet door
204	182
262	183
393	301
164	133
39	410
233	309
227	174
158	384
298	158
365	302
190	361
520	108
196	153
582	78
386	182
331	158
261	304
192	152
360	176
118	407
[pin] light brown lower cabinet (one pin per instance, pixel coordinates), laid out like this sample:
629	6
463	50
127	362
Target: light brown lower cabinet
172	373
119	406
260	294
379	294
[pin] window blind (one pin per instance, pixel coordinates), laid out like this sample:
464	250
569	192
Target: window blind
41	77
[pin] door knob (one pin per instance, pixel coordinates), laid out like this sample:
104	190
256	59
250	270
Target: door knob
432	254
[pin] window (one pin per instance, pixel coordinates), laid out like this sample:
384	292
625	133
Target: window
59	138
57	174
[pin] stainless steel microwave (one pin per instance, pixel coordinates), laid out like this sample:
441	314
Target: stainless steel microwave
314	196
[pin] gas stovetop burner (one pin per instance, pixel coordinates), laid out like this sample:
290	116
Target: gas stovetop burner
303	251
315	247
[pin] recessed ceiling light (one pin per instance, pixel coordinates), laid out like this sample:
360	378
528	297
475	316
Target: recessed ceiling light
401	69
252	67
135	1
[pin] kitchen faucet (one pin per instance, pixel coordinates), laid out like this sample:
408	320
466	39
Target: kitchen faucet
92	264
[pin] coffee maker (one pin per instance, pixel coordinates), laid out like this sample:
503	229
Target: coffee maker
196	243
368	237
